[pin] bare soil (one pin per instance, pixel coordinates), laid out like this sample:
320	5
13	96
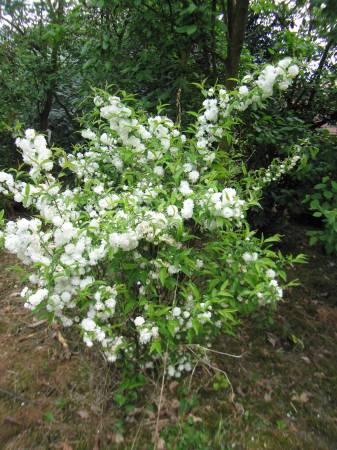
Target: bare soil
54	394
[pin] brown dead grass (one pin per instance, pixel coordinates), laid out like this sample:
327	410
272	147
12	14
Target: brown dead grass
284	387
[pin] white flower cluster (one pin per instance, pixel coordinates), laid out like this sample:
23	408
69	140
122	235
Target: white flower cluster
182	365
282	74
209	129
35	152
222	205
275	291
278	168
112	252
25	239
146	331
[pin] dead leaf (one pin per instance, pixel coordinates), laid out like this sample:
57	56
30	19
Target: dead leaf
272	339
302	398
160	444
305	397
267	397
306	359
173	386
83	414
116	438
195	419
65	446
95	409
319	374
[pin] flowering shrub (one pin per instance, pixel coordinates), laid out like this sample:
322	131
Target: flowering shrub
147	249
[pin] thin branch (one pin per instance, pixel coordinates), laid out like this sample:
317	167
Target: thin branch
156	434
215	351
63	106
318	73
12	24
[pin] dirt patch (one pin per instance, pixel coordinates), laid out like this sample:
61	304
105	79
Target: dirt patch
282	391
327	315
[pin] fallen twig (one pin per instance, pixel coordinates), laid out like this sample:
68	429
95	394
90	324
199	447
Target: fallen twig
216	351
63	342
37	324
27	336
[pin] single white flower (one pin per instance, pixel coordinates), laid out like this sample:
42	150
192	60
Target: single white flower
293	71
243	90
88	325
158	170
172	211
187	210
176	311
139	321
271	273
30	134
193	176
88	134
185	189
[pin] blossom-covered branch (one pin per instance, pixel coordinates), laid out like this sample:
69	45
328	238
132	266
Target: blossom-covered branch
148	248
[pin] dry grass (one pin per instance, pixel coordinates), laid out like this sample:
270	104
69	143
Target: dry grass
55	394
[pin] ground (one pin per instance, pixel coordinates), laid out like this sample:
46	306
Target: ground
281	394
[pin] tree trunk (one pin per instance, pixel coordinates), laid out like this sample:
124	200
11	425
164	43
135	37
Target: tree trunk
57	15
51	87
237	15
44	114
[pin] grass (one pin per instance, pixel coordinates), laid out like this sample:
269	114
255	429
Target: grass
281	393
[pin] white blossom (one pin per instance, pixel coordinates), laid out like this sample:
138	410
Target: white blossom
139	321
187	211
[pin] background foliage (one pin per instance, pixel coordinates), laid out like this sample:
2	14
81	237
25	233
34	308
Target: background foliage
53	52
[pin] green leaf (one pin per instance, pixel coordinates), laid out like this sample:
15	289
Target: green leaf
328	194
156	346
163	275
313	240
187	29
189	10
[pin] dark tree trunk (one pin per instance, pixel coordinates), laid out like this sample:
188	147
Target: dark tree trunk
236	16
50	91
44	114
58	16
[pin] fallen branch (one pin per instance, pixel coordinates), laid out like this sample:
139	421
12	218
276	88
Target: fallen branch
58	336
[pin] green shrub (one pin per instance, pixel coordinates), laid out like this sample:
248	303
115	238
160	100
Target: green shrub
323	203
